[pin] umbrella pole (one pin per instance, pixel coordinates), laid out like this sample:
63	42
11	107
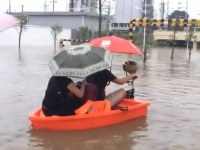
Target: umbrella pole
130	93
110	69
132	85
111	62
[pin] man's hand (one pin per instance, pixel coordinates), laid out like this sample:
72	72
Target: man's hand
134	76
124	80
84	82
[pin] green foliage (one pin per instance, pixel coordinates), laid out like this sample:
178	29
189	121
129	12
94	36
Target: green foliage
190	37
23	18
23	22
175	30
56	30
21	27
138	38
84	32
104	33
122	35
177	14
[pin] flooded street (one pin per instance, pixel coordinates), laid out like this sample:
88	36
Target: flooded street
171	87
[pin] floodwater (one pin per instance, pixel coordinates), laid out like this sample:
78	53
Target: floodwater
172	88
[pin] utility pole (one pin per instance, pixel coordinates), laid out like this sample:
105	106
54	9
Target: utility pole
100	15
54	1
22	8
108	20
162	10
186	12
71	5
186	17
145	17
45	6
167	8
9	6
53	5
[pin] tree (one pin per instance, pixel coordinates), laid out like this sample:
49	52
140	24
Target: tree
56	30
149	40
174	29
138	38
84	33
100	17
122	35
21	27
190	37
177	14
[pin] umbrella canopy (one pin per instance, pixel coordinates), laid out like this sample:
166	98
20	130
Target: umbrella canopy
80	61
116	45
7	21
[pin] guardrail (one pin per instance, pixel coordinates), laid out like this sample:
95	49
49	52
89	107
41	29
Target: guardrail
161	23
71	40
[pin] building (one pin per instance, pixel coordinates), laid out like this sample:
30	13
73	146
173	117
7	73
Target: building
149	8
130	9
83	5
127	9
68	20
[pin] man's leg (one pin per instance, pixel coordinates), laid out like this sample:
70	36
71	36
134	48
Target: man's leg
116	97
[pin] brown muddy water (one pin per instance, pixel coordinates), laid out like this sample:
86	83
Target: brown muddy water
172	88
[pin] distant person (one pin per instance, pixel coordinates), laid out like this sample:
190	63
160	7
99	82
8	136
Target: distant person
101	79
62	97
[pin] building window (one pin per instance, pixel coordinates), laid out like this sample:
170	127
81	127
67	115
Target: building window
121	24
115	24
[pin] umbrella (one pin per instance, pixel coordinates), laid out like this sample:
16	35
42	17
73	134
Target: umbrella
80	61
7	21
116	45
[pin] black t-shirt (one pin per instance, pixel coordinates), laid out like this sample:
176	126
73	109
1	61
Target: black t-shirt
57	97
101	79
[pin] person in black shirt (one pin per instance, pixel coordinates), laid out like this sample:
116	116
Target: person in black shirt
62	97
101	80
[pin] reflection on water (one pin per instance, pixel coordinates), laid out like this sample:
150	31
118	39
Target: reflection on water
172	87
111	137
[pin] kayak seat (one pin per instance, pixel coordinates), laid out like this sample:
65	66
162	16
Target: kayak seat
94	107
100	106
84	109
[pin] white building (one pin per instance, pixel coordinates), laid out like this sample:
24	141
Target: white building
83	5
128	9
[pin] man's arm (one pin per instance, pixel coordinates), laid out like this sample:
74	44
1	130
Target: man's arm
124	80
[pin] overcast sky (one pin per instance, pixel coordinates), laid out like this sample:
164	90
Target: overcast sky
61	5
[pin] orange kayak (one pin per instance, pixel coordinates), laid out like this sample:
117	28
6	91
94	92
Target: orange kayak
135	109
